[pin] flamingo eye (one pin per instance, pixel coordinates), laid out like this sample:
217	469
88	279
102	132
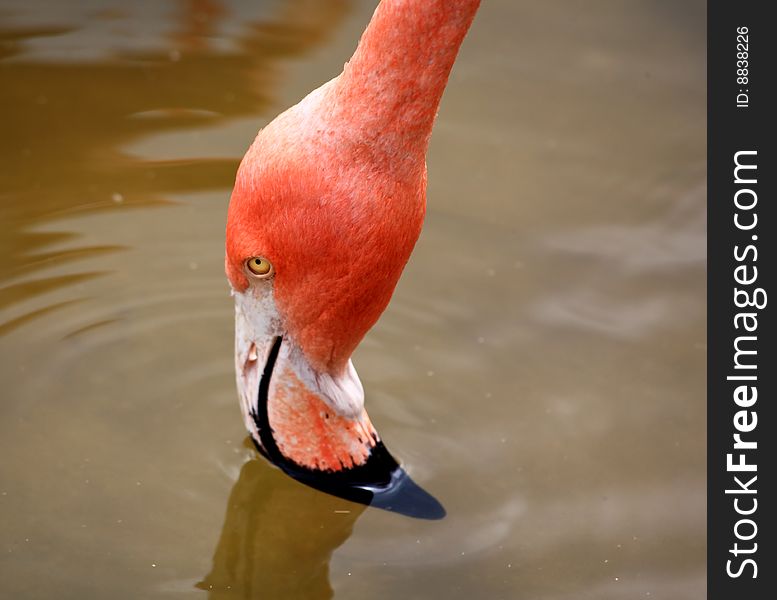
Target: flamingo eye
260	267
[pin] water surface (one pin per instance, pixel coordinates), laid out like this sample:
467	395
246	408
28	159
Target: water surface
540	369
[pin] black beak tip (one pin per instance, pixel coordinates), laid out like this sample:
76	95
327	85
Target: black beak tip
399	495
405	497
381	483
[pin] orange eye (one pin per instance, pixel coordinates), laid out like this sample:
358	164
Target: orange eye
259	266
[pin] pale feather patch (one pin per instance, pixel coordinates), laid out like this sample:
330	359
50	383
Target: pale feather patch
257	325
343	393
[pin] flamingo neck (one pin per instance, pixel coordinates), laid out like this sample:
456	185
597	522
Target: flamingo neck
390	90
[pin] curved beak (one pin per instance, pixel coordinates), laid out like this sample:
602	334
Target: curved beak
313	425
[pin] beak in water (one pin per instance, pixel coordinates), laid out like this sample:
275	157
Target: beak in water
311	425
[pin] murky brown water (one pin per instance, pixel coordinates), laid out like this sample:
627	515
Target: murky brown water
540	370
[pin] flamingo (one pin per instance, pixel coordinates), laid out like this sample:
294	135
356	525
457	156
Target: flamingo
327	206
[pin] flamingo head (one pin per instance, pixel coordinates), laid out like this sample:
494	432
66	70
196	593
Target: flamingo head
319	229
327	206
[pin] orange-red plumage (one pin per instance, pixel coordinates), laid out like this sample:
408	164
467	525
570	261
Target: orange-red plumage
332	192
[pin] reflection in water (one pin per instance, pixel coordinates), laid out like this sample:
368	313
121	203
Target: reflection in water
273	522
